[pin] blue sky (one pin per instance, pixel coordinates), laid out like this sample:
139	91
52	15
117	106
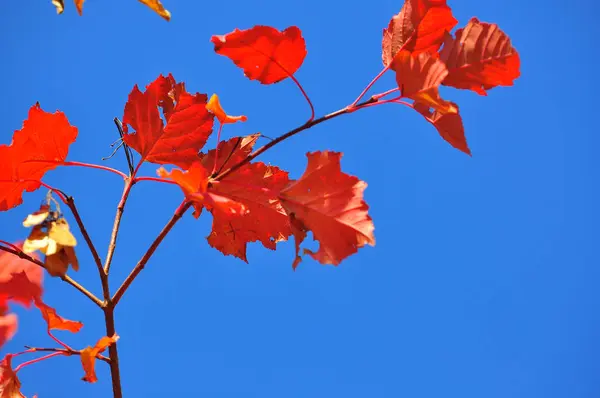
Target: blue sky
483	280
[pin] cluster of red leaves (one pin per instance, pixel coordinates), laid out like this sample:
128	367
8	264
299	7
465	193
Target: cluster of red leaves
478	57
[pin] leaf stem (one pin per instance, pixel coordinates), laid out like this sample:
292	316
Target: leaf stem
79	164
64	278
217	148
156	179
312	108
65	352
40	359
362	94
66	346
183	207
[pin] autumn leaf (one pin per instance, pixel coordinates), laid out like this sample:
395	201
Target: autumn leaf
420	26
10	386
157	7
419	77
263	52
55	321
188	123
37	217
8	325
214	106
194	184
20	279
480	58
449	126
88	357
329	203
44	137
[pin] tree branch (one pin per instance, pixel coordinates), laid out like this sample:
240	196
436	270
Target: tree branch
142	263
64	278
65	352
115	231
103	277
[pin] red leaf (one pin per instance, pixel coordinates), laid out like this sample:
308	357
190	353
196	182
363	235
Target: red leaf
44	136
419	76
419	26
8	326
480	58
263	52
188	123
10	386
55	321
20	280
450	126
329	203
88	357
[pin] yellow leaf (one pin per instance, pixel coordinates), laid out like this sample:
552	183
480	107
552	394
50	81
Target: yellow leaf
157	7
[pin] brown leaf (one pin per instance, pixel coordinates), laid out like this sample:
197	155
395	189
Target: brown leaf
60	6
58	263
60	233
37	217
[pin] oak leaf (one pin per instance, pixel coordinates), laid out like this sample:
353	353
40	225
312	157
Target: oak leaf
55	321
44	137
10	386
449	126
329	203
419	77
214	106
263	52
419	26
88	357
480	58
188	123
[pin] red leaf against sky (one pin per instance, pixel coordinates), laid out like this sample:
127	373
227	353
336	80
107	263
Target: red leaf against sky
8	325
419	77
55	321
329	203
88	357
481	57
263	52
44	136
188	122
10	386
20	280
450	126
424	22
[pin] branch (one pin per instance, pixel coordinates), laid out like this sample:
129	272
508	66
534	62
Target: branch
291	133
115	231
103	277
115	374
64	278
65	352
142	263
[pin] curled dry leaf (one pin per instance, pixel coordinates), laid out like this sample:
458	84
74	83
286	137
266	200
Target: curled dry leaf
10	386
420	26
214	106
329	203
419	77
263	52
88	357
55	321
157	7
480	58
188	123
45	138
37	217
449	126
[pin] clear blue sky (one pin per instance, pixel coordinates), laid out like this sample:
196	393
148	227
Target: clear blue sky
484	279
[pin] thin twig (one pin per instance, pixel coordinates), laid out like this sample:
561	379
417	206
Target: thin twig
142	263
128	153
65	278
71	203
289	134
65	352
79	164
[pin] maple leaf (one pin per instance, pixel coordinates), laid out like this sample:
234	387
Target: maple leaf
158	8
44	136
480	58
419	77
263	52
419	26
188	123
88	357
10	386
20	279
329	203
449	126
55	321
214	106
